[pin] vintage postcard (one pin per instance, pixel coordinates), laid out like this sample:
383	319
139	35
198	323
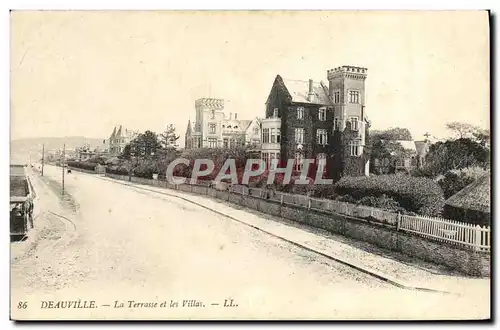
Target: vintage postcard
250	165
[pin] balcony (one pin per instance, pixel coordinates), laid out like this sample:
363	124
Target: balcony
273	122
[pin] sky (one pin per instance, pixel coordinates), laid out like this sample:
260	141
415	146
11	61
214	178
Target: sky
80	73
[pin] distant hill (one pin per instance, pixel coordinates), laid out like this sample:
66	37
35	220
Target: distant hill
21	149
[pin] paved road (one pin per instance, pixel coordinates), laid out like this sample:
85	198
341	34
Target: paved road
108	242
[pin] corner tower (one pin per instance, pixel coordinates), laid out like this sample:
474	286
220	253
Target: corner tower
348	94
347	91
208	126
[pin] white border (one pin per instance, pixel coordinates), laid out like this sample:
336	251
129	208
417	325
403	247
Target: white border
189	5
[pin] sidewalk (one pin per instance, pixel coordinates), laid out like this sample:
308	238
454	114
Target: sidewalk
383	264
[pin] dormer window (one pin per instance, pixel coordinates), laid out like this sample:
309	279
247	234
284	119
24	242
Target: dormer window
235	127
228	126
275	113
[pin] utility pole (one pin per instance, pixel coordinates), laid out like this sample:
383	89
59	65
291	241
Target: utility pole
63	161
43	156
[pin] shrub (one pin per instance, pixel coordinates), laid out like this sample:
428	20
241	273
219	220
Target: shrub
346	199
415	194
291	187
382	202
97	160
118	170
85	166
455	180
144	170
324	191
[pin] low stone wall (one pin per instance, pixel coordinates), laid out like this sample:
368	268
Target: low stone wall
118	176
468	261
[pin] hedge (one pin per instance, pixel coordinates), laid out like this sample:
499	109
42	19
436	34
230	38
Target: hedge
415	194
384	203
117	170
85	166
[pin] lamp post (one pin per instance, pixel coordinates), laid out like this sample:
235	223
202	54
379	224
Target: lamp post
130	169
63	161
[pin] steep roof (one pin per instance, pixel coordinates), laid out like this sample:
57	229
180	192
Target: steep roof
119	133
245	123
188	129
476	196
422	147
242	124
408	145
256	120
299	90
114	133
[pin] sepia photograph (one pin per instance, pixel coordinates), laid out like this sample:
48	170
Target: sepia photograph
250	165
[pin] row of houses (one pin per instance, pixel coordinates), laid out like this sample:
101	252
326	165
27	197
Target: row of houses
303	119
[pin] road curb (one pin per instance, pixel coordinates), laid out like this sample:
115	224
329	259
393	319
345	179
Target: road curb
364	269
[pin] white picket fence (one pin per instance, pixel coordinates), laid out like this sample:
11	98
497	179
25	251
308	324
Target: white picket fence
460	233
454	232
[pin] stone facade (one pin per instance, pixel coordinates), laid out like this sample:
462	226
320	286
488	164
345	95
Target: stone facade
310	118
215	129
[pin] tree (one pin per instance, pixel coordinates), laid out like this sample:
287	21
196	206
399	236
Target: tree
126	153
169	137
219	157
385	144
469	131
144	145
482	136
393	133
454	155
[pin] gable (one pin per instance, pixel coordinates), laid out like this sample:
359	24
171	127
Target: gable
254	123
278	91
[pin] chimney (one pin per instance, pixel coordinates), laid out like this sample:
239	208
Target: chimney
235	116
310	95
230	116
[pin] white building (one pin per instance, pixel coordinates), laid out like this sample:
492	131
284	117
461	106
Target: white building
214	128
